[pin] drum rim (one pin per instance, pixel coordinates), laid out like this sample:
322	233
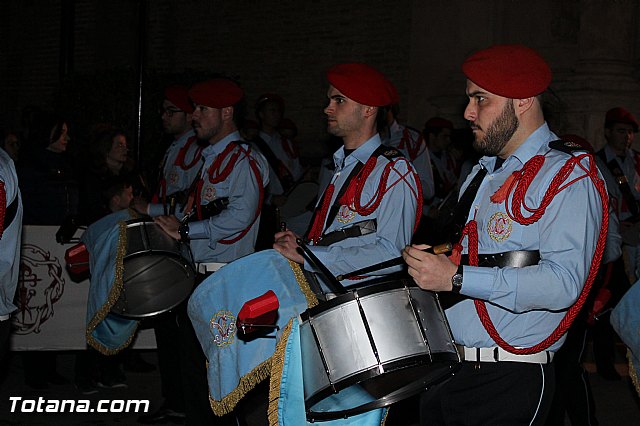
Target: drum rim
351	295
438	359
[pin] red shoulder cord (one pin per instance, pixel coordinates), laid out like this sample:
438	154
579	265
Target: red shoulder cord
182	154
352	196
3	204
290	148
180	162
215	175
519	182
355	188
407	140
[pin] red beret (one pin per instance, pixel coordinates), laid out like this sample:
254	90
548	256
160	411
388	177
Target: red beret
179	96
362	83
438	123
395	97
579	141
620	115
216	93
270	97
509	70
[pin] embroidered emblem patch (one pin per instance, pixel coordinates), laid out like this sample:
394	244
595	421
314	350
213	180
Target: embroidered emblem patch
222	327
499	226
345	214
209	193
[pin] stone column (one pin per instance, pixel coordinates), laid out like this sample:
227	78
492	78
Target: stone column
603	73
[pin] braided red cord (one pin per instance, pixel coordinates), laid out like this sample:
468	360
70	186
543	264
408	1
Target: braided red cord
521	183
318	221
217	176
3	204
256	173
182	154
356	186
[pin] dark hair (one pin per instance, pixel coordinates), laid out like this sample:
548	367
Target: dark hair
47	128
114	185
239	111
381	118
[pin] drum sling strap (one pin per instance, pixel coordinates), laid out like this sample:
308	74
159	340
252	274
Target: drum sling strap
362	228
287	180
623	184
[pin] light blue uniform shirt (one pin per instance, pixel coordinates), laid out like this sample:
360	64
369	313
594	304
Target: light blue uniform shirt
395	215
243	192
422	160
526	304
10	240
176	177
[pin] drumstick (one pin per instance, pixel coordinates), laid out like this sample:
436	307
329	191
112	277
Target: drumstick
331	281
439	249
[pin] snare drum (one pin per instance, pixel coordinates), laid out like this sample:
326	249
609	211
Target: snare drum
158	271
391	338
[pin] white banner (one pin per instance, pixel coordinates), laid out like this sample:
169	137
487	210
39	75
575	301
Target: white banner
52	308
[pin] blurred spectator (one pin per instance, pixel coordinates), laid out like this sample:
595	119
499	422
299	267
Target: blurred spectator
110	159
50	196
11	144
47	179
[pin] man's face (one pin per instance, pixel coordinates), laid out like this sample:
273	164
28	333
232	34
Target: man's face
344	116
207	122
619	137
270	114
174	120
492	119
442	140
123	200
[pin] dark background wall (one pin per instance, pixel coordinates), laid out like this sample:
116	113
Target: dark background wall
82	57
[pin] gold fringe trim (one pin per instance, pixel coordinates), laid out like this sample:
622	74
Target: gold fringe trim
277	365
114	294
632	371
246	384
268	367
276	374
312	300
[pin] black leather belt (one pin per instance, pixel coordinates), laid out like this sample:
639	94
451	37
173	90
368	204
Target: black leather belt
516	259
357	230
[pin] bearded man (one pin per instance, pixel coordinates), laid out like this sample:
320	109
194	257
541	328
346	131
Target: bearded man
532	215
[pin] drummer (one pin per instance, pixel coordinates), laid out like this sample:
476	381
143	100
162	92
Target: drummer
509	304
232	180
369	210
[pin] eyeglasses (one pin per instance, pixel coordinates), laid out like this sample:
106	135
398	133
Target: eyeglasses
169	111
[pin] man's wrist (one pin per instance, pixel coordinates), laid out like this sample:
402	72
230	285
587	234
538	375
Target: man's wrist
183	231
456	280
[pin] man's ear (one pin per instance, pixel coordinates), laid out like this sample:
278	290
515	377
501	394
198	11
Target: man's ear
370	110
227	113
523	105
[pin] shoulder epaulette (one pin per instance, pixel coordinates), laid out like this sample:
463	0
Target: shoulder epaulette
388	152
566	146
